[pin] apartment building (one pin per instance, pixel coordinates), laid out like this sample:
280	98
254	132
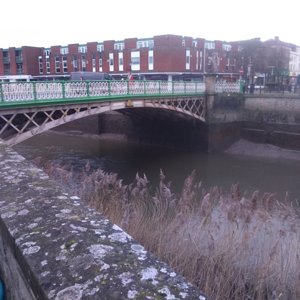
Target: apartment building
19	63
163	57
160	57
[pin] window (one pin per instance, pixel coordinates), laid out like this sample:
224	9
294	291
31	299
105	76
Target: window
195	44
19	56
226	47
119	46
135	60
82	49
100	47
121	67
145	44
111	62
94	64
47	52
19	69
151	44
41	71
187	59
64	50
100	64
150	60
197	60
65	64
75	64
140	44
209	45
200	61
47	64
6	69
6	59
57	64
83	63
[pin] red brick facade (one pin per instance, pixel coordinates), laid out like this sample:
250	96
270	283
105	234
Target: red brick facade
173	55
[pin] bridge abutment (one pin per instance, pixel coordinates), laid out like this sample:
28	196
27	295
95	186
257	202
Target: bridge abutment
224	121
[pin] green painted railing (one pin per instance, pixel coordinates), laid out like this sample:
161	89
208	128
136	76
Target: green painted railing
16	93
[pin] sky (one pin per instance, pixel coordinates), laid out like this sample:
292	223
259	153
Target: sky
62	22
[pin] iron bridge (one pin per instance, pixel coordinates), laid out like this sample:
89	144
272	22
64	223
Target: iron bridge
30	108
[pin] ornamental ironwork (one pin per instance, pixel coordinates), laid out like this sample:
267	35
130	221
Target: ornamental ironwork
30	108
26	91
228	87
17	125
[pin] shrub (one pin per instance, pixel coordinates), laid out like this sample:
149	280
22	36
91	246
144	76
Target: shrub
230	246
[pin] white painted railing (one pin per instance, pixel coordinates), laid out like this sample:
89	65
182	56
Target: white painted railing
26	91
228	87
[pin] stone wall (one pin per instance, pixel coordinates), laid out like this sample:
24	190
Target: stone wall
259	118
224	121
273	120
53	246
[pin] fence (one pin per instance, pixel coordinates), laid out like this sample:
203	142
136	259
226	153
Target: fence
228	87
28	91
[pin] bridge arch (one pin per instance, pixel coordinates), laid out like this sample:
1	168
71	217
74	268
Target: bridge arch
18	125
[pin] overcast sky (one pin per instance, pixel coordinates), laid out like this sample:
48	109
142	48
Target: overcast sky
61	22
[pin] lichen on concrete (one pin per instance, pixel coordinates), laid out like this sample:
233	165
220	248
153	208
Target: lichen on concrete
66	250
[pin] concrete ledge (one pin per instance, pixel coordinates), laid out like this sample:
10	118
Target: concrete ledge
52	246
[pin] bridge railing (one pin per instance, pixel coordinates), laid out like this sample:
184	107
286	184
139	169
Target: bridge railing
228	87
29	91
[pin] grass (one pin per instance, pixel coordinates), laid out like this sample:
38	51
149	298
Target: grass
230	246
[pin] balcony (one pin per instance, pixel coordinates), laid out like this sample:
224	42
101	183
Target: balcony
6	60
19	59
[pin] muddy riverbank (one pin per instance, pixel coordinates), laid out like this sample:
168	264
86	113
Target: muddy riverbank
266	151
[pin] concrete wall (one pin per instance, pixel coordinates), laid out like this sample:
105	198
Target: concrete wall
272	119
224	121
52	246
259	118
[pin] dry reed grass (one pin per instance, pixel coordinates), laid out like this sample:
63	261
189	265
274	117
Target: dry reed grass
230	246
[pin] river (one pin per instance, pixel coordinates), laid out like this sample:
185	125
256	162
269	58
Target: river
266	173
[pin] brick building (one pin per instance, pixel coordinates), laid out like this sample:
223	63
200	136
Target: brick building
160	57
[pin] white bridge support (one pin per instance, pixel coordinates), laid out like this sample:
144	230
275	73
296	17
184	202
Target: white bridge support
17	125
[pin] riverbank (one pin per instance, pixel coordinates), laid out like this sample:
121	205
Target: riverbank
229	245
266	151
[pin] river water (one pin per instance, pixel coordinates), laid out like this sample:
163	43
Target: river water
264	173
